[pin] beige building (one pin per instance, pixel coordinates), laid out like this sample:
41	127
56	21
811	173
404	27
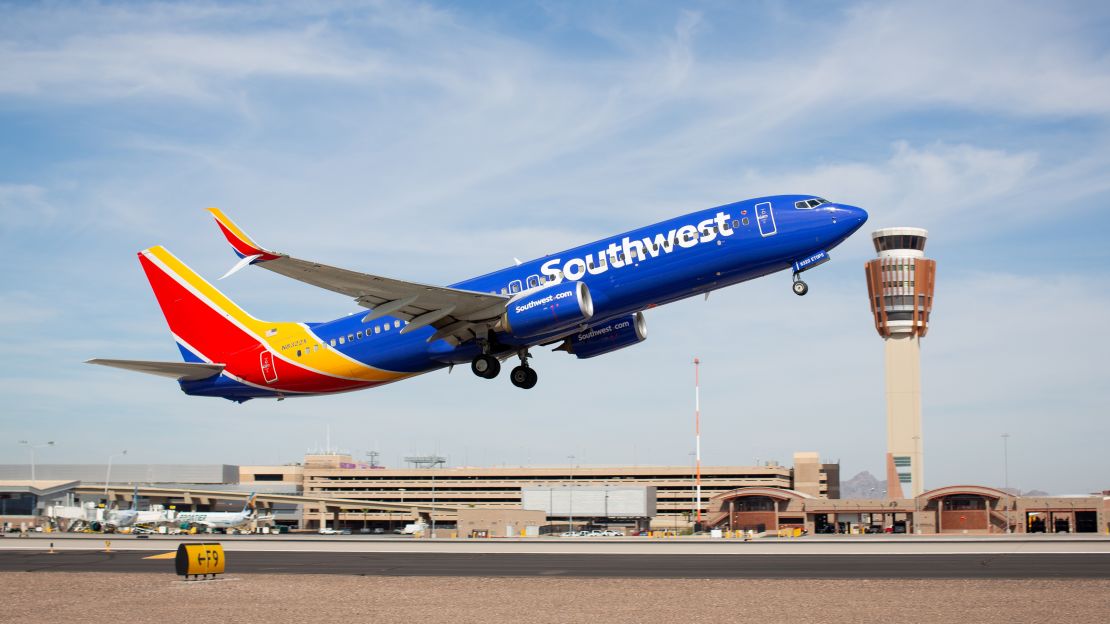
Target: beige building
500	488
957	509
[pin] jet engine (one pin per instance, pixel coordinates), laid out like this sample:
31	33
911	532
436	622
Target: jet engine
606	337
557	307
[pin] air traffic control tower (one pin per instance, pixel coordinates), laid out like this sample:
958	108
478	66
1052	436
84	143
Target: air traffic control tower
900	286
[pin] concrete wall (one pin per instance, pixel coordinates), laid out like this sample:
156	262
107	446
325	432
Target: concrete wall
497	522
125	473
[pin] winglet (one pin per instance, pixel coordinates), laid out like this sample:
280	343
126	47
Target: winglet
248	251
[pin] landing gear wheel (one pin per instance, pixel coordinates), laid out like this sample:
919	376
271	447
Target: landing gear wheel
523	377
485	366
800	287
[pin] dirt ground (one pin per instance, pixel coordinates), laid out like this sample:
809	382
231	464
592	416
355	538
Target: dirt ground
63	596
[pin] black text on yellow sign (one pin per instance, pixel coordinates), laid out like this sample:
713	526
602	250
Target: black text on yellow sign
199	559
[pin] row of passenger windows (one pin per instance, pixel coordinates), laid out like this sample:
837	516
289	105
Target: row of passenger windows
634	254
810	203
383	327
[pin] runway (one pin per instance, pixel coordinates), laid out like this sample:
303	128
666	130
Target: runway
642	565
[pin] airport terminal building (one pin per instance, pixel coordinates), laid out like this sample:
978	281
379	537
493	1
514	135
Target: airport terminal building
503	488
332	490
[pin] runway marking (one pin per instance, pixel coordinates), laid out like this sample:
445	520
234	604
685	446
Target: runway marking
598	553
169	555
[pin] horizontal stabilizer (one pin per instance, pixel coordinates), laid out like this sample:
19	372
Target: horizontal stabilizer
181	371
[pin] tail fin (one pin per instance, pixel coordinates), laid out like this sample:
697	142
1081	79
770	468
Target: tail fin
135	499
207	325
250	502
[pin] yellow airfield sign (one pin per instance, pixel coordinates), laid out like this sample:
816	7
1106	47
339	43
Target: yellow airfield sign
199	559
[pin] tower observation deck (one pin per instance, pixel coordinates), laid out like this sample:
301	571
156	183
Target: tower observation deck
900	288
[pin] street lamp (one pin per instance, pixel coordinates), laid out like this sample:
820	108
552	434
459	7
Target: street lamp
1006	461
570	497
108	475
402	491
33	447
1006	473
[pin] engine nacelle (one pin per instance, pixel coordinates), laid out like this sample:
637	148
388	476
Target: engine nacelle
607	337
551	309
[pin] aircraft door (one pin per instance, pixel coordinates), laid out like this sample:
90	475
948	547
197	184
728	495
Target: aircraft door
765	217
269	373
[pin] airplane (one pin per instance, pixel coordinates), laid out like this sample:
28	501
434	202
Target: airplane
120	518
123	518
217	519
588	301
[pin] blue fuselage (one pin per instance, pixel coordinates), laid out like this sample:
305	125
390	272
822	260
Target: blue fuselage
627	273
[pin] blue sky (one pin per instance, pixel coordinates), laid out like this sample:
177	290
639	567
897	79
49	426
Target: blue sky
437	141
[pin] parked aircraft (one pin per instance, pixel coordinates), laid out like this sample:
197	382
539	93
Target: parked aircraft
217	519
120	518
586	301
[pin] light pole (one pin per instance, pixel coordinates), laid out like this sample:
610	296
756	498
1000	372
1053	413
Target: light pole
108	475
33	447
1006	461
697	443
1006	473
570	496
402	491
695	503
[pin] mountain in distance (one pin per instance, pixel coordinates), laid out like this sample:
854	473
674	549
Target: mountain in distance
863	485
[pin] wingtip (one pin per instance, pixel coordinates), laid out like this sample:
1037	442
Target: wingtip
240	241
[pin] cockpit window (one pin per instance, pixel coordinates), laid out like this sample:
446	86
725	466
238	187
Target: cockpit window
810	203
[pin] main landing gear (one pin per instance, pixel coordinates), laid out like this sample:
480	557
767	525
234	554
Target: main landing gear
523	376
488	367
485	366
800	287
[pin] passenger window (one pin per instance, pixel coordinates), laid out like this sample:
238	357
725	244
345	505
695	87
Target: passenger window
735	224
745	221
504	291
378	330
315	348
333	342
514	286
358	334
341	340
396	323
350	337
385	327
298	353
533	281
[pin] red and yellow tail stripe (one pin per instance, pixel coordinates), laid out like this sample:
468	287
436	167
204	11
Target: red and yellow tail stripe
220	331
243	245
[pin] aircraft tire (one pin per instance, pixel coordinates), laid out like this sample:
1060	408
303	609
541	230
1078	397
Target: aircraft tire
524	377
800	288
485	366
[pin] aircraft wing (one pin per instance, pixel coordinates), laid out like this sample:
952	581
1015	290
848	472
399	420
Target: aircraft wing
181	371
458	315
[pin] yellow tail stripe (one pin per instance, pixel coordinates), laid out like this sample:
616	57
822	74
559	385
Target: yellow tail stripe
283	338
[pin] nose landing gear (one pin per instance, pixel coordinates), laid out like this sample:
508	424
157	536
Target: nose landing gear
800	287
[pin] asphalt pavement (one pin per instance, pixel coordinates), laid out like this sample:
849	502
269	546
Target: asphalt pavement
645	565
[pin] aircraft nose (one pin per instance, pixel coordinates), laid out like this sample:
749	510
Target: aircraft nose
857	216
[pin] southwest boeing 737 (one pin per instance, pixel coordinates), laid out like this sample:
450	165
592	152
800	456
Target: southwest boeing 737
588	301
